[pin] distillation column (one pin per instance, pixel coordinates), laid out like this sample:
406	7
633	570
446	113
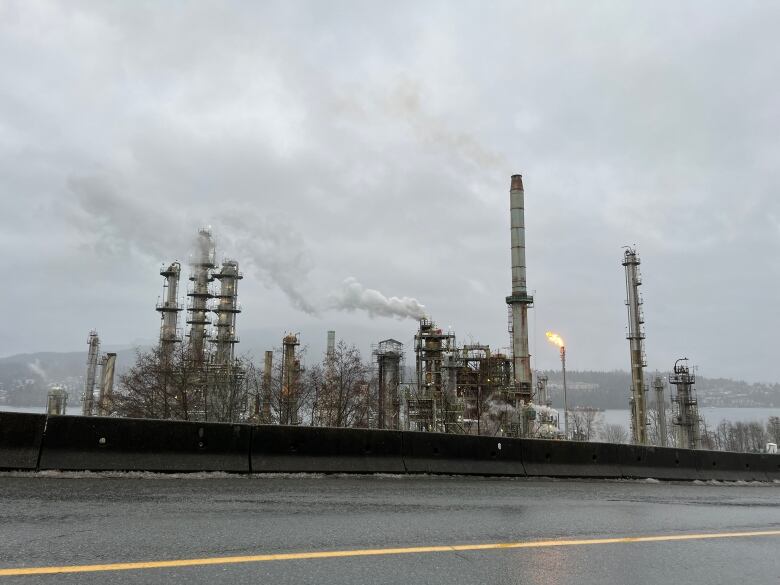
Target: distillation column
331	347
519	300
636	337
388	357
202	263
169	309
290	371
541	390
92	363
660	410
226	310
686	416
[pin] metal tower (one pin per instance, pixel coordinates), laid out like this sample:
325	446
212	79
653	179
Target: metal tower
169	309
291	368
267	392
636	337
686	408
519	300
430	345
226	310
565	397
389	355
202	263
541	390
331	347
57	401
660	410
88	400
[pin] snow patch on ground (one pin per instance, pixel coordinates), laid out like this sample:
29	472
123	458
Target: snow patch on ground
201	475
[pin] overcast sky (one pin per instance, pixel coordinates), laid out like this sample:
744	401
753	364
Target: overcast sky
375	140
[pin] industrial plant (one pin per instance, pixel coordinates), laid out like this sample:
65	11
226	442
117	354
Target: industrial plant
464	389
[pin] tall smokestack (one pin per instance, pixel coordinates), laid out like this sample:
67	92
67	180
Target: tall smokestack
636	338
519	300
290	372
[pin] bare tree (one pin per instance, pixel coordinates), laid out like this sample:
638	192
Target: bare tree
253	381
586	423
161	385
773	429
170	385
614	433
708	437
290	396
341	386
654	428
226	392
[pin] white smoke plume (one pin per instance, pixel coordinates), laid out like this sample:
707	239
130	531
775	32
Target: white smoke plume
116	225
36	368
355	297
275	250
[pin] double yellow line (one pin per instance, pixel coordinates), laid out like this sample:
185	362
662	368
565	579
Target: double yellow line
373	552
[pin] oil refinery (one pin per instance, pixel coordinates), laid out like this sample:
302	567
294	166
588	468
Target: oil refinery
469	389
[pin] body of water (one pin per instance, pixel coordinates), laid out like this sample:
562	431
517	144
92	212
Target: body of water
712	415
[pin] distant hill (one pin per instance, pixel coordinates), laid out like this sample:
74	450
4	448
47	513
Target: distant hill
612	390
25	378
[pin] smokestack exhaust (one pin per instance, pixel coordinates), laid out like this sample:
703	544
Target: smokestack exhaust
519	300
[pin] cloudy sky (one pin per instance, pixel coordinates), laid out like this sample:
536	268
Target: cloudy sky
374	141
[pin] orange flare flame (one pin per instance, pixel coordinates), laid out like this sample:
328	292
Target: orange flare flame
555	339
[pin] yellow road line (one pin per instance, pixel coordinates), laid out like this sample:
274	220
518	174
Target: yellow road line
372	552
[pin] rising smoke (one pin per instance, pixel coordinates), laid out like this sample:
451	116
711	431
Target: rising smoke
274	250
269	246
355	297
406	103
36	368
117	226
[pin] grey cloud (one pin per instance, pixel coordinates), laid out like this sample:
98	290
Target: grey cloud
379	141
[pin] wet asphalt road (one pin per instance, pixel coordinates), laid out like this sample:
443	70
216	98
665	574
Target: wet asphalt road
58	519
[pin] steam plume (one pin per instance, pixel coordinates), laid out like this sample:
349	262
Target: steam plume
117	225
36	368
354	296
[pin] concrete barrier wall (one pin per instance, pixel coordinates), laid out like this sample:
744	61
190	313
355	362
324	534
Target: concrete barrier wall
546	458
95	443
728	466
771	466
20	439
658	462
325	450
462	454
